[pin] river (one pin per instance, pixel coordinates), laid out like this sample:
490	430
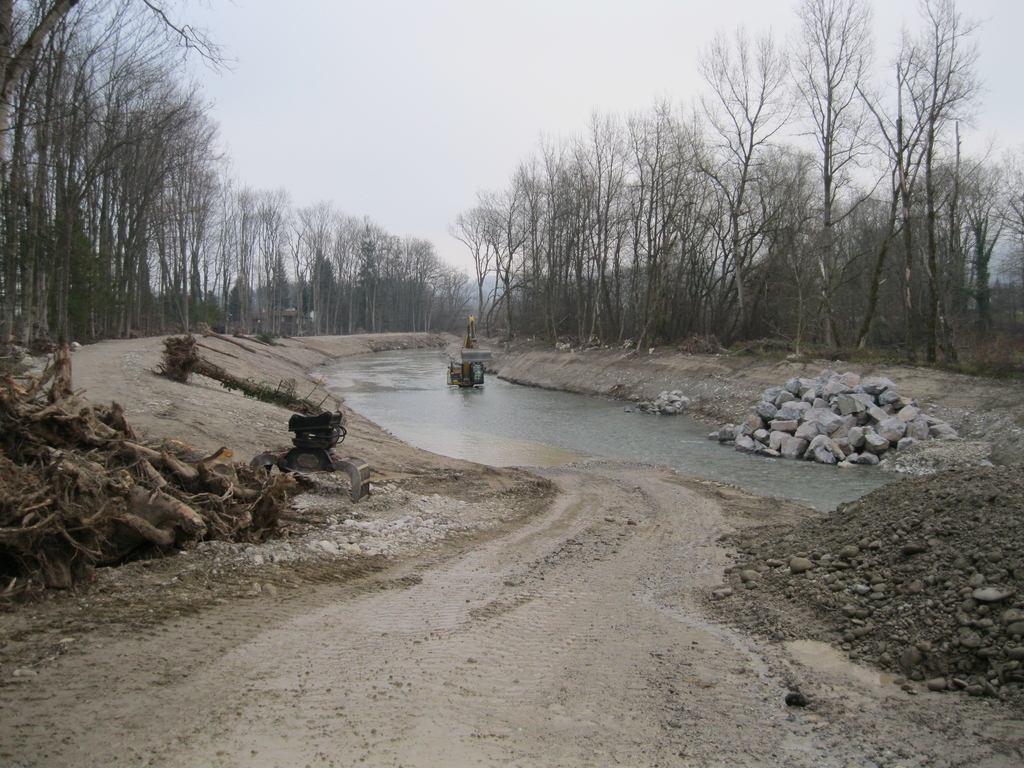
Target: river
503	424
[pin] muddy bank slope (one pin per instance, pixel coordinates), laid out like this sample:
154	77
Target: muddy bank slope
722	387
207	416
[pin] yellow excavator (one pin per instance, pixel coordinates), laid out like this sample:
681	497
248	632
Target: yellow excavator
468	370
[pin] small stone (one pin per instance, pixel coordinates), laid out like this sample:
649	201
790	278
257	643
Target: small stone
991	594
329	547
796	700
270	590
910	658
749	575
800	564
970	639
1016	628
936	684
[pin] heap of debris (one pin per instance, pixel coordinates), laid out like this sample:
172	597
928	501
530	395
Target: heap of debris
78	490
666	404
923	577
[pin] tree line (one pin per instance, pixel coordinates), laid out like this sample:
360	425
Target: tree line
807	196
119	215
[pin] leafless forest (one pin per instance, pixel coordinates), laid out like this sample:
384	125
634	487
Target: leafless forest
815	193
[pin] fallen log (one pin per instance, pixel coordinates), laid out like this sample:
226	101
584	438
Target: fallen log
187	475
253	339
218	351
145	529
217	481
208	333
181	359
164	512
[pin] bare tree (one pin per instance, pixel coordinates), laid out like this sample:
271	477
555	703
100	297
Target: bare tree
832	61
507	232
942	85
273	232
982	199
1013	219
24	29
71	74
470	228
453	294
314	275
345	256
746	107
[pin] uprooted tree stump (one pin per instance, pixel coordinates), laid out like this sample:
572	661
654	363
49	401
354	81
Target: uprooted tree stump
181	359
77	490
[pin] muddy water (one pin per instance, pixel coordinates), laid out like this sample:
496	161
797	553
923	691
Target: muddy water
505	424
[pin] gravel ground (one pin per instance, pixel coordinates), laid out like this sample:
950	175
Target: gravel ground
600	614
922	578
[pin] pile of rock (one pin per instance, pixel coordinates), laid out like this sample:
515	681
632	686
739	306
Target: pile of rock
921	577
833	419
667	404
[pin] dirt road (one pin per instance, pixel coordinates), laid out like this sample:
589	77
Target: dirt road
461	616
575	639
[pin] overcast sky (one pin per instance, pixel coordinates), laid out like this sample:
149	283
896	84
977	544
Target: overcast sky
402	110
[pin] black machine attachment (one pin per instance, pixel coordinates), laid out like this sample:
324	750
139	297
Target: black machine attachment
324	431
313	440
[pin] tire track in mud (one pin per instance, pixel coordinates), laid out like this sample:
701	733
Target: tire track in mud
534	650
575	639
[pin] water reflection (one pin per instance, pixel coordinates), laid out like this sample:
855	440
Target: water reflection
504	424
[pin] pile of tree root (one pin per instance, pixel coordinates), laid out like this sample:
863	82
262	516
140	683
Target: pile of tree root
78	491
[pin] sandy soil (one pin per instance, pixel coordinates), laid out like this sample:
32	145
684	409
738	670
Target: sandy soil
461	616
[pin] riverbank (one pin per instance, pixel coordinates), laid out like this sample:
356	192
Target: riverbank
466	614
723	387
207	416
